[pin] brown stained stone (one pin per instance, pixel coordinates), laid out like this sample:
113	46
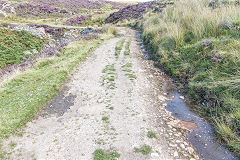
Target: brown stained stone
186	125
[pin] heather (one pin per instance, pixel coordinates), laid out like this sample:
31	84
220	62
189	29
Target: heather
77	20
58	12
27	9
136	11
66	6
13	45
74	4
201	51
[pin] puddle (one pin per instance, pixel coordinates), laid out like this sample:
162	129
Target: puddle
202	137
201	133
59	105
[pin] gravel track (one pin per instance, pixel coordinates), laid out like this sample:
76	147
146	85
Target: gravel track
111	103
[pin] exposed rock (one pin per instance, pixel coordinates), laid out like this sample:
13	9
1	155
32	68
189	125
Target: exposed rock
3	14
155	155
173	145
187	125
212	4
89	30
27	52
182	146
34	31
177	141
175	154
181	97
227	24
206	42
190	150
35	51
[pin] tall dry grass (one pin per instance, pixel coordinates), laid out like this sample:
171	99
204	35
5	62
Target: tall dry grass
191	15
199	45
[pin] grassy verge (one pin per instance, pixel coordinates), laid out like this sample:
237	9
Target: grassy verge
26	94
201	51
119	46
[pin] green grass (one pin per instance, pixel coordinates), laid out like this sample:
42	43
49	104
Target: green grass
14	43
201	51
109	77
127	65
144	149
131	76
12	144
105	118
109	69
23	97
127	70
151	134
110	107
127	47
119	46
101	154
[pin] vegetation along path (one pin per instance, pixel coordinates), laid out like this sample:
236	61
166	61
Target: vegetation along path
113	108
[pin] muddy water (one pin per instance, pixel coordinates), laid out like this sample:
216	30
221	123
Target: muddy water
202	138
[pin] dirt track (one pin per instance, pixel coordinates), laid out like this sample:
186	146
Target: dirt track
111	102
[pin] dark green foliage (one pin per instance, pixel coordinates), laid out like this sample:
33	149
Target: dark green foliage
105	118
144	149
151	134
14	43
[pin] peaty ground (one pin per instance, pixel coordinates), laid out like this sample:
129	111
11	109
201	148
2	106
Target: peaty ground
114	103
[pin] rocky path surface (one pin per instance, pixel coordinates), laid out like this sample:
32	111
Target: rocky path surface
112	103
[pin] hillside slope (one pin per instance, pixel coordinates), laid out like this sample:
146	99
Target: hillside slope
58	12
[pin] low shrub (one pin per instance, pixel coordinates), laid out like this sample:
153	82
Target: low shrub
25	45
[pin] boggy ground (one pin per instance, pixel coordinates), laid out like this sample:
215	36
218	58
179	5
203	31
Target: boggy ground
114	102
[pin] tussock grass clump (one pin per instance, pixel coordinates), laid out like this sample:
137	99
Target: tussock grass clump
101	154
110	29
105	118
151	134
144	149
198	44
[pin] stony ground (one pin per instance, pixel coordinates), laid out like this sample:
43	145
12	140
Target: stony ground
114	103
